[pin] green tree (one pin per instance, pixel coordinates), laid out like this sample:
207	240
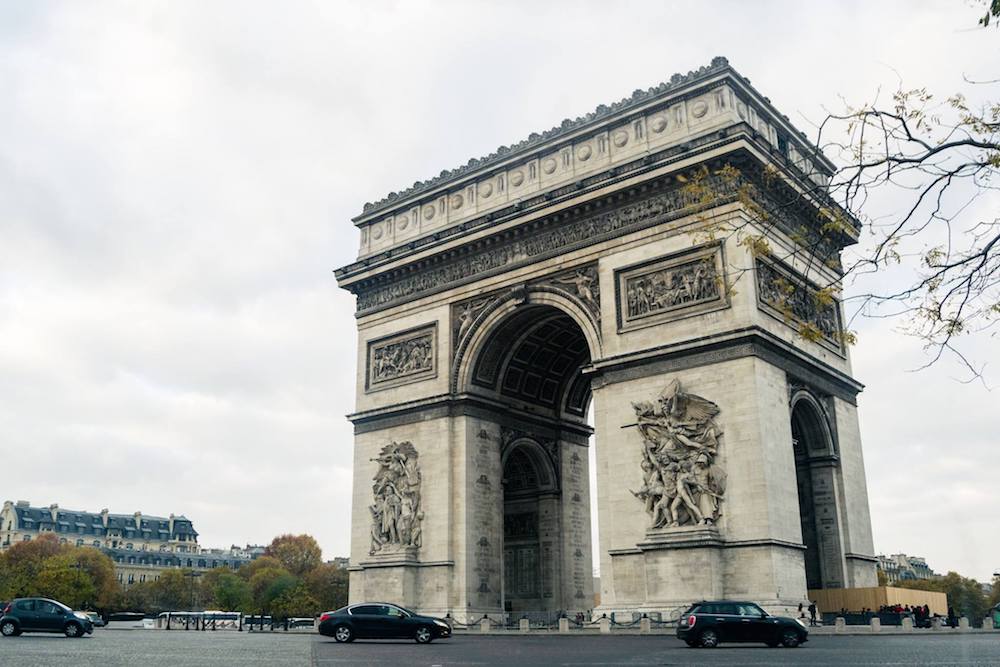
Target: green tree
297	553
295	601
261	584
328	584
231	593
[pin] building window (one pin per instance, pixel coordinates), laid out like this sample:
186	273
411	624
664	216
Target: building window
27	538
129	546
97	543
79	543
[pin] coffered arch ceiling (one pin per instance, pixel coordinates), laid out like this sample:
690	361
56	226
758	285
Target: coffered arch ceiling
535	357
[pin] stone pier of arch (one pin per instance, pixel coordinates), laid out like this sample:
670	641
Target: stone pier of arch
577	272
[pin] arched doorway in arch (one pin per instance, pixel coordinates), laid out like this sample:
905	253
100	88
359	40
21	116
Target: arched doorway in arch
818	484
529	362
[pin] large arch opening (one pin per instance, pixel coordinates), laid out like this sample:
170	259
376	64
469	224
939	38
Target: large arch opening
815	475
530	362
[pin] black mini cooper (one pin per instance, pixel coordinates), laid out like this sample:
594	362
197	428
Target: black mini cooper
706	624
379	620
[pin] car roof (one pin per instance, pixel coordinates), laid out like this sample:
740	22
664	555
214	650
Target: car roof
724	602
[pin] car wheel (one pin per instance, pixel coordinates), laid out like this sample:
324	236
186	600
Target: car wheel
343	633
72	630
9	629
790	639
423	635
708	639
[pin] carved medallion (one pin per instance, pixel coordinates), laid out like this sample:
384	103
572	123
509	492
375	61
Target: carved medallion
396	513
682	485
402	358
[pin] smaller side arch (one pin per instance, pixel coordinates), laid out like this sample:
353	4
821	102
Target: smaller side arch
548	478
811	421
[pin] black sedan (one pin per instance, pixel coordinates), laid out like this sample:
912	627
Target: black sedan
707	624
43	615
380	620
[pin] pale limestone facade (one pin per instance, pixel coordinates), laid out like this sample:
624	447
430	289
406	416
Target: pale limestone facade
496	302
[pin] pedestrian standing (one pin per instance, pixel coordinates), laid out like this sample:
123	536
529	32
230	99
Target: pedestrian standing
812	614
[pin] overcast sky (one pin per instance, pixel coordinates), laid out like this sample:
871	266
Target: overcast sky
176	187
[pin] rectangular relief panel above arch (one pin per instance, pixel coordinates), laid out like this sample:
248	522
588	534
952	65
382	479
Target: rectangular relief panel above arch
681	284
402	358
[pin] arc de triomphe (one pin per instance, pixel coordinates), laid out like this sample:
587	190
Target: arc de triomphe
660	264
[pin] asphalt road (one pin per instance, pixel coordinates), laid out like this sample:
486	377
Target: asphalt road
150	648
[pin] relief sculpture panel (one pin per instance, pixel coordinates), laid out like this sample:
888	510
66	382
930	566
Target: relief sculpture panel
787	295
686	283
682	485
402	358
396	513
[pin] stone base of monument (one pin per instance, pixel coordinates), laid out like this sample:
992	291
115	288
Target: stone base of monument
681	537
393	556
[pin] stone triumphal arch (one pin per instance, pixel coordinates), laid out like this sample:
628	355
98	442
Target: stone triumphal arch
669	262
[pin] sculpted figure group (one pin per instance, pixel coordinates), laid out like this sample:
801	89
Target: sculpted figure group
396	513
402	358
682	485
672	288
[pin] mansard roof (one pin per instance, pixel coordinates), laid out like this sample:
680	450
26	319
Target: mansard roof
92	522
638	98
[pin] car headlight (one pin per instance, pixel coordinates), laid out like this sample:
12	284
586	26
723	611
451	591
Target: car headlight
802	623
441	624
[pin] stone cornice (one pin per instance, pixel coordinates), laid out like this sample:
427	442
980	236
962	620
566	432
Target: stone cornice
749	341
609	215
603	114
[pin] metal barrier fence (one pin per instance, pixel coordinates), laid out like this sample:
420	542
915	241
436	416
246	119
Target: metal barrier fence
549	620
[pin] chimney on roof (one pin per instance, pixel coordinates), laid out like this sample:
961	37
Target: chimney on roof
104	517
23	503
138	520
54	510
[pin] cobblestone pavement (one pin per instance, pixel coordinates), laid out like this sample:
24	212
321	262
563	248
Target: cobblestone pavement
150	648
527	651
153	648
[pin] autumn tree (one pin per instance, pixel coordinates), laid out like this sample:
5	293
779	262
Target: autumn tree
297	553
77	576
328	583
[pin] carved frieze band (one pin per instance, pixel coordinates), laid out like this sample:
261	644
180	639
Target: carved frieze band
784	293
679	285
551	237
402	358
